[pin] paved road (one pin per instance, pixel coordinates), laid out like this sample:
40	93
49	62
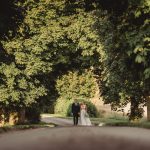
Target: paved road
68	137
58	121
77	138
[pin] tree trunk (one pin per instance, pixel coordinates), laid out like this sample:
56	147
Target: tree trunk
135	112
21	116
148	108
17	117
1	117
13	118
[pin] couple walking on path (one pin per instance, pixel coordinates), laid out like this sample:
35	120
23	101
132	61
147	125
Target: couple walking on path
80	110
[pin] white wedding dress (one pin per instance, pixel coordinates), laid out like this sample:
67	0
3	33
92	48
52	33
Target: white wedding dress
85	120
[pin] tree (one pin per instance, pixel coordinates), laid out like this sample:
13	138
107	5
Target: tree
51	34
55	37
124	77
76	84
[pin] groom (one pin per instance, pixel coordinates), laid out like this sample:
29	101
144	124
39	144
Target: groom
75	111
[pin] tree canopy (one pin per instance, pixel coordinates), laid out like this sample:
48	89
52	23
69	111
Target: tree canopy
41	41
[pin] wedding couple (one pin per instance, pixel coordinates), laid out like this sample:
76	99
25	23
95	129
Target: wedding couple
80	110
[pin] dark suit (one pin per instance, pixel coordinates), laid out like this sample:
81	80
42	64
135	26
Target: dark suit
75	112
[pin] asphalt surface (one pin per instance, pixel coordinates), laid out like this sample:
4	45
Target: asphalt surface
77	138
58	121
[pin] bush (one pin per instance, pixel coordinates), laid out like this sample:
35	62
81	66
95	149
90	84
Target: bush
33	114
63	107
48	109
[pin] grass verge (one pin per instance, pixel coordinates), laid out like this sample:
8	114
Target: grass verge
7	128
121	122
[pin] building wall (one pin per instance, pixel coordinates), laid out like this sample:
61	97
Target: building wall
98	102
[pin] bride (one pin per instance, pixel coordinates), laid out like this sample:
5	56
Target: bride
85	120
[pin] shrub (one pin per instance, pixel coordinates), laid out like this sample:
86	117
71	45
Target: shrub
63	107
33	114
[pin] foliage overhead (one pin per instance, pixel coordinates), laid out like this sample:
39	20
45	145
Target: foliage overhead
75	85
44	40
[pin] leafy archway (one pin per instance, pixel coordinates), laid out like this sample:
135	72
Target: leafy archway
55	37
